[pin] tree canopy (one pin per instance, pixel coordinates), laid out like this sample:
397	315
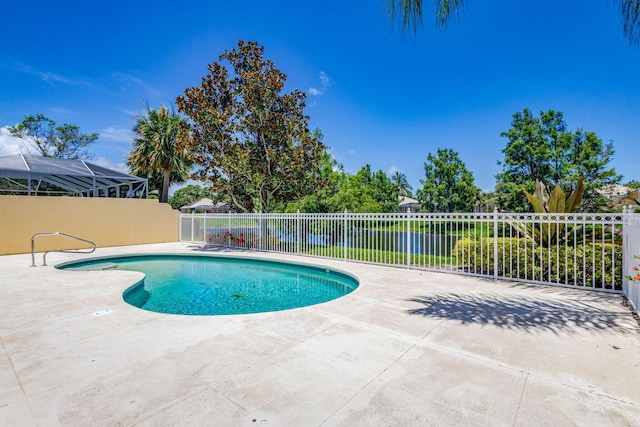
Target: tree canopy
448	185
44	137
155	155
189	194
541	148
250	140
364	191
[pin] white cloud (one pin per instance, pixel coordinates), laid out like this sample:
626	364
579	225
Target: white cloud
106	163
50	77
324	82
392	170
10	145
324	79
352	151
130	113
125	80
115	133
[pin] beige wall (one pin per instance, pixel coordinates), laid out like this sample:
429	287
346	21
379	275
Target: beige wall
107	222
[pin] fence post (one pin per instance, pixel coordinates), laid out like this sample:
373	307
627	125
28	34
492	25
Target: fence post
204	228
631	289
495	243
298	232
626	249
408	236
344	234
228	233
193	238
260	230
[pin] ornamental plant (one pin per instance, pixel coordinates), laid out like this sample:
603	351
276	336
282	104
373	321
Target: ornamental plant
635	276
548	234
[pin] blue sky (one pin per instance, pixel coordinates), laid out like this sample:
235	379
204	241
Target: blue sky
380	96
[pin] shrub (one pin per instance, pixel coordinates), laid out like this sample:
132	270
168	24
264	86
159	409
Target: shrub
591	265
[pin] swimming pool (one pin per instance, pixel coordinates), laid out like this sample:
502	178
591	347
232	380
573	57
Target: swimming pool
215	285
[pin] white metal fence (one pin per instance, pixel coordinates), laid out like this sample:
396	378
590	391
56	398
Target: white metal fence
591	251
631	239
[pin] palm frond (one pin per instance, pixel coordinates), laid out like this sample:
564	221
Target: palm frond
410	12
630	14
446	10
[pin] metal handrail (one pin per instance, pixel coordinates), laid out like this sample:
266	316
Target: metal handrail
57	233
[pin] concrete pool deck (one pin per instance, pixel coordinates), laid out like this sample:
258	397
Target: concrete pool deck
407	348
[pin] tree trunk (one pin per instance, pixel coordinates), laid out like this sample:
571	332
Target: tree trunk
166	181
264	234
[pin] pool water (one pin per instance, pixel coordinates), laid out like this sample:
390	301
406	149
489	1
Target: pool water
210	285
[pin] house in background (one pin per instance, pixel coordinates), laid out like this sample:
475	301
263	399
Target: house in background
614	191
205	206
408	205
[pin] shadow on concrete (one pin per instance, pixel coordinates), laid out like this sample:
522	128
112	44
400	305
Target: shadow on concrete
522	312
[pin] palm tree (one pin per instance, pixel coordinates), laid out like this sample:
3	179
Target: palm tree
400	182
410	13
154	154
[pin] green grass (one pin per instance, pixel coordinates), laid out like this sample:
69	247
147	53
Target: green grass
466	229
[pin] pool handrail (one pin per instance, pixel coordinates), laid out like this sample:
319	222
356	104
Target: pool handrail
58	233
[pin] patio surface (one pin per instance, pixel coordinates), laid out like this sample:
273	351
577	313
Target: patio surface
407	348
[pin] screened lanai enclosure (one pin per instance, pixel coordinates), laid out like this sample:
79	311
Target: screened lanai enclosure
45	176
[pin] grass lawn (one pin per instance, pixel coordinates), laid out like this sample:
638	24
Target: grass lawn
466	229
380	256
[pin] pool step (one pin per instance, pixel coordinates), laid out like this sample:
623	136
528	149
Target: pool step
94	267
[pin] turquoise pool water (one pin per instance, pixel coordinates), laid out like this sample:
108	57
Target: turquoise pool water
210	285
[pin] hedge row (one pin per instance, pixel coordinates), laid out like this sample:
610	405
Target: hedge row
596	265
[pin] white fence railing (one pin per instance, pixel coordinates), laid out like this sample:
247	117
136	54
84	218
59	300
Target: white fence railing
591	251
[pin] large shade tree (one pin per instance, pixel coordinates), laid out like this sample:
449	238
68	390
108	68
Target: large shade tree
47	139
155	155
250	139
542	149
448	185
410	14
321	201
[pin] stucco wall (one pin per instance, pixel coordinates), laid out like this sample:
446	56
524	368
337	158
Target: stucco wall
107	222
